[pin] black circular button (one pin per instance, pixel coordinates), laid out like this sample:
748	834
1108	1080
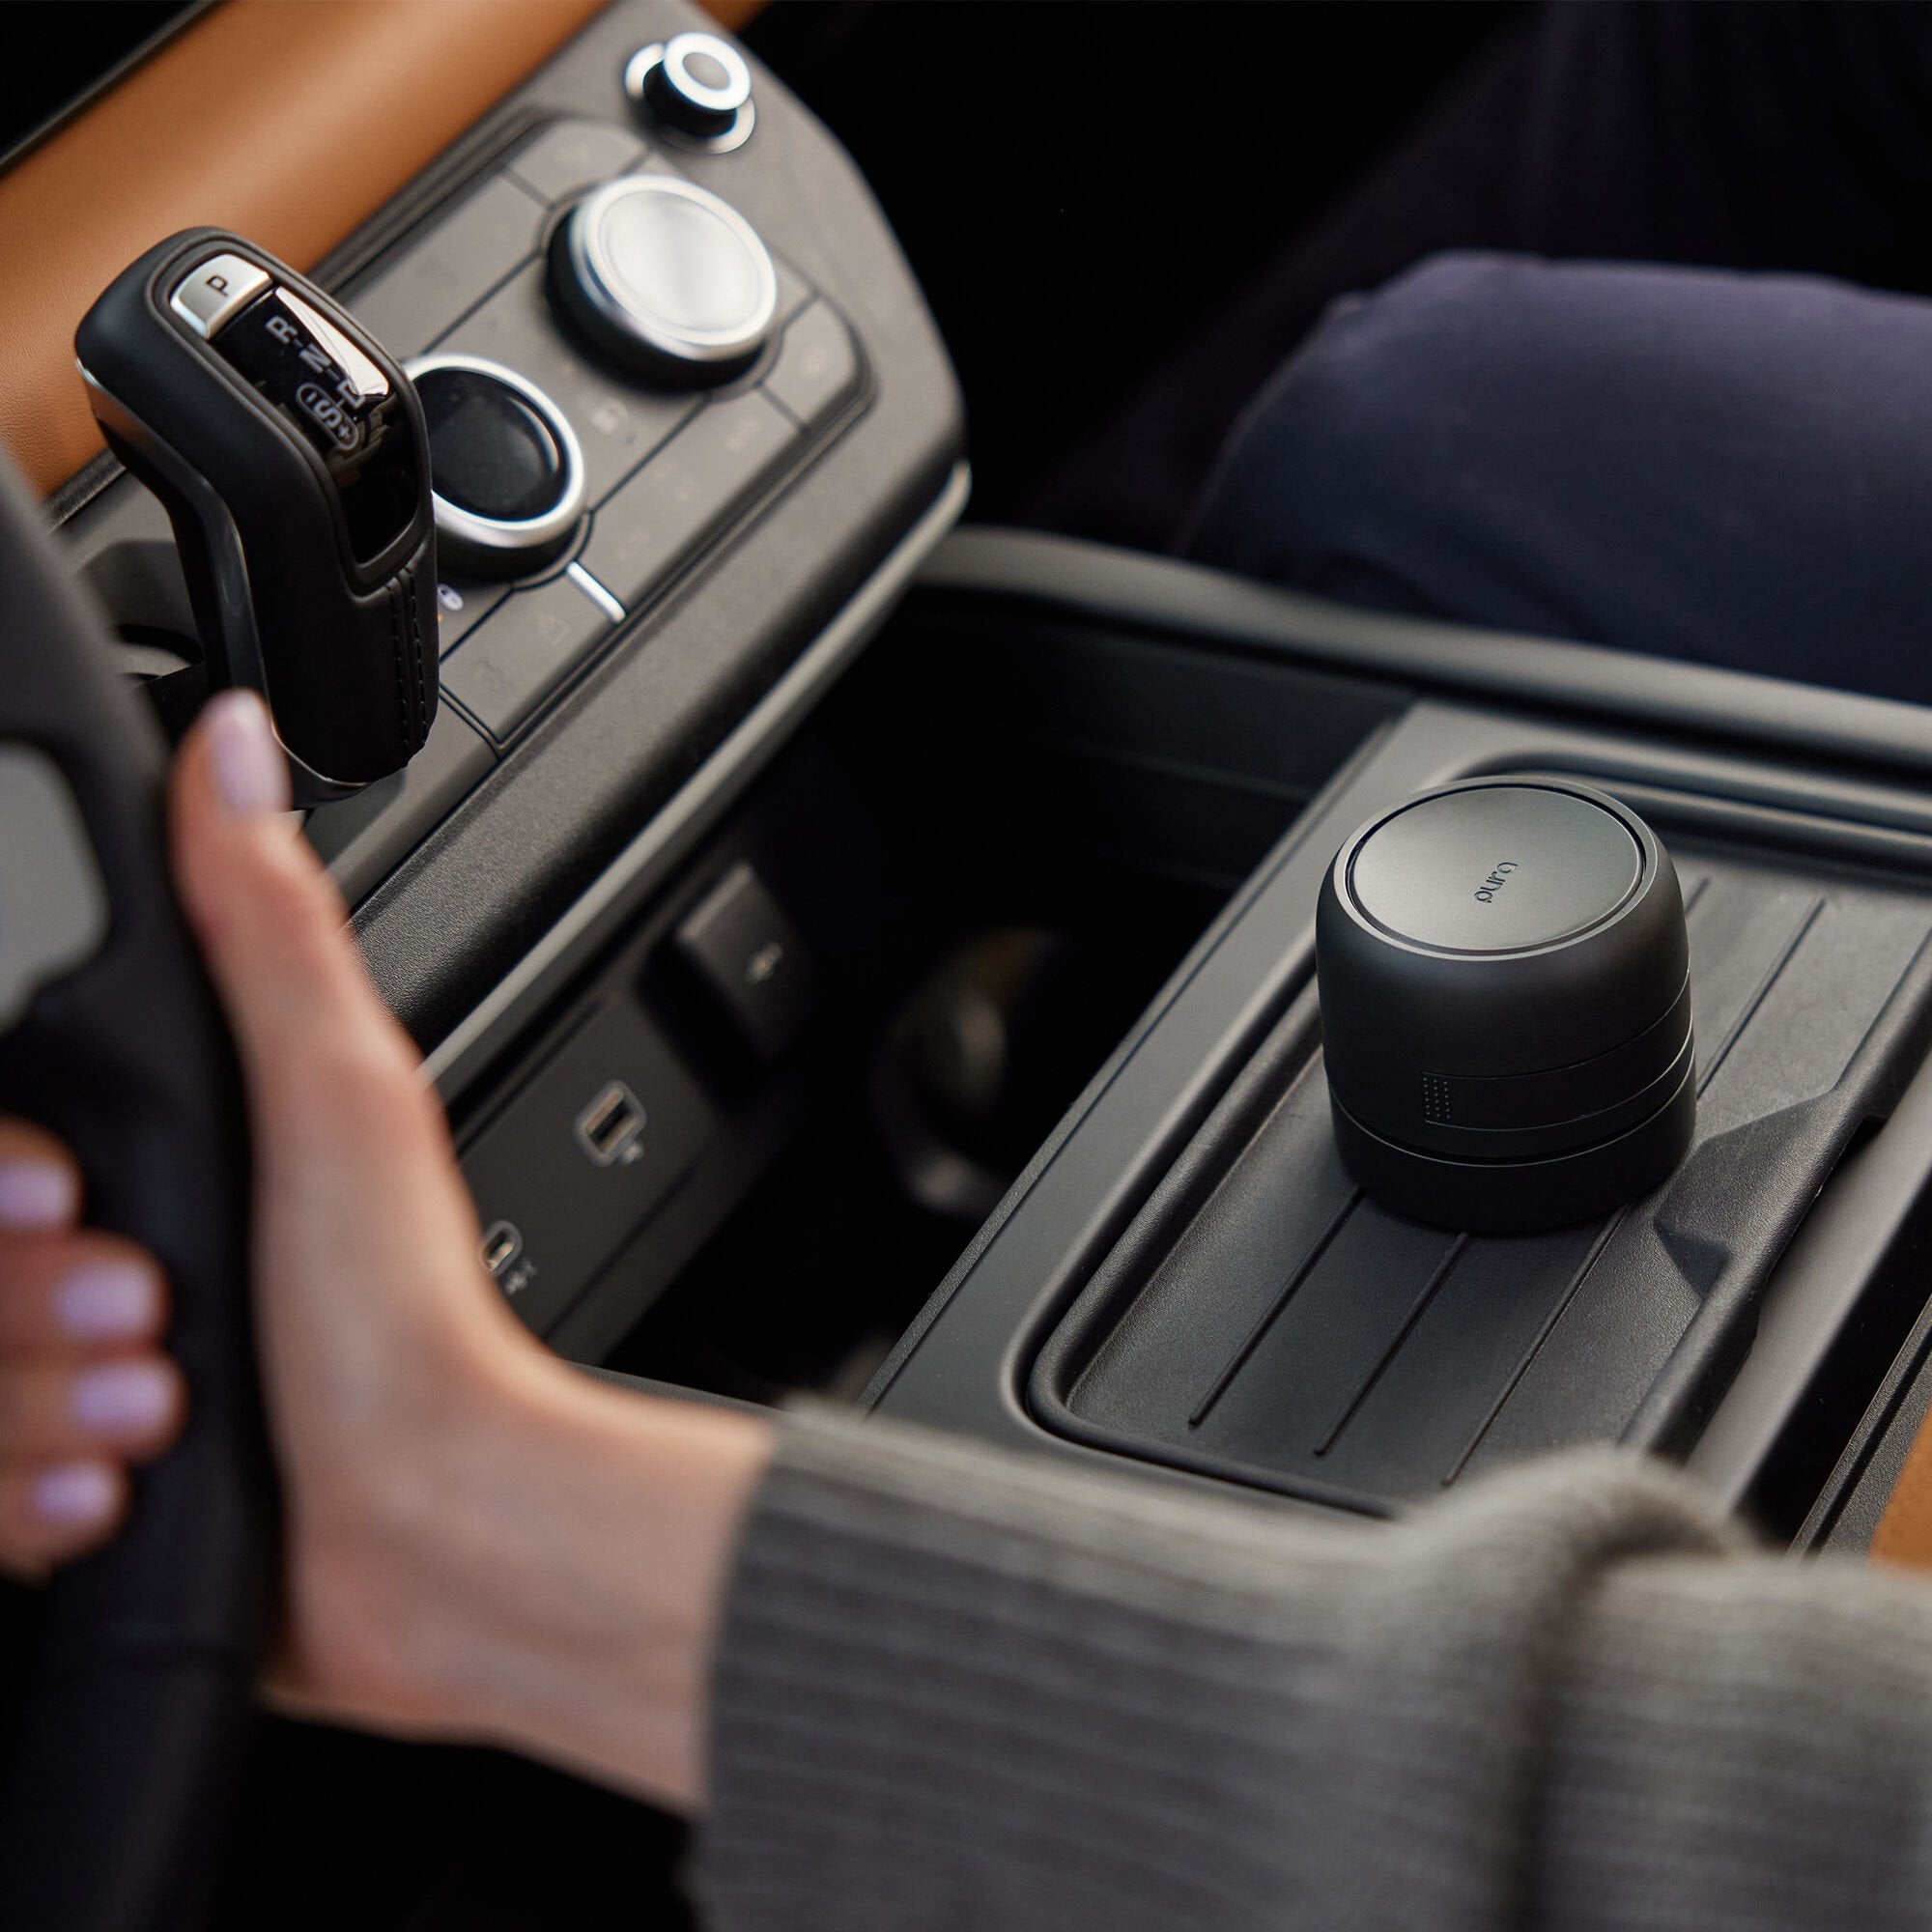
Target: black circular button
1506	1005
665	276
506	474
695	88
490	453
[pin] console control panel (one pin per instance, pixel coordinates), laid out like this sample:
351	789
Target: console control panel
599	444
614	365
687	365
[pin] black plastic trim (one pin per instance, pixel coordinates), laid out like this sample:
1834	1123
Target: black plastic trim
1090	583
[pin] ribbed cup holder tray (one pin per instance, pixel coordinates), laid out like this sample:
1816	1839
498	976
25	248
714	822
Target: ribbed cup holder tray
1263	1321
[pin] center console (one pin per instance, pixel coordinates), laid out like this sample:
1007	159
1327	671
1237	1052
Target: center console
799	903
766	437
1188	1278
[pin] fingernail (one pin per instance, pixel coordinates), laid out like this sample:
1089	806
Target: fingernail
106	1301
250	773
36	1194
73	1495
123	1397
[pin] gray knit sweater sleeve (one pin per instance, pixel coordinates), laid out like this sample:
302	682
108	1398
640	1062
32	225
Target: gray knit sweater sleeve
956	1688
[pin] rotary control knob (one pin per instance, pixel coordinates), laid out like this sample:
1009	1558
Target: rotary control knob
696	90
506	474
665	278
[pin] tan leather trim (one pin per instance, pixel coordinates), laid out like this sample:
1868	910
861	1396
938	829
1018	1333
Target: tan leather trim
1904	1533
291	120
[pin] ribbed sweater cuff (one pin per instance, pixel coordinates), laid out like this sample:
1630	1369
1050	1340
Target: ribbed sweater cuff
959	1689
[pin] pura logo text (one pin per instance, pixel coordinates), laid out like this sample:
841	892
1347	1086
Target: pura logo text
1487	892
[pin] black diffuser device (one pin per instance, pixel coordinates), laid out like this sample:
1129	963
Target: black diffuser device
1506	1005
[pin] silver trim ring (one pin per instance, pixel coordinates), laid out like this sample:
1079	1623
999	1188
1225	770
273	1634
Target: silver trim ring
645	62
596	275
507	535
725	99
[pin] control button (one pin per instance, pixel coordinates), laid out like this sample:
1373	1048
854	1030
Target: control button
696	91
684	493
749	955
617	424
496	454
817	367
462	603
451	268
365	838
502	670
665	277
794	292
50	880
616	1083
504	466
569	155
595	591
217	292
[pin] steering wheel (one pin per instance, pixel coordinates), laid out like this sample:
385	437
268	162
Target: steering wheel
120	1778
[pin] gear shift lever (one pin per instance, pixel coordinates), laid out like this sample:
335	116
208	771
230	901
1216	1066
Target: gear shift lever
291	453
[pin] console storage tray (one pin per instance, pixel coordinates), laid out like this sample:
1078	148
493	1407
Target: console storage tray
1262	1321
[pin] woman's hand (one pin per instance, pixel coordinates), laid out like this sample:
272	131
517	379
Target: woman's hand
84	1387
481	1543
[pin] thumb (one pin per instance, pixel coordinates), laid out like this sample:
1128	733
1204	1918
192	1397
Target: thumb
270	923
365	1232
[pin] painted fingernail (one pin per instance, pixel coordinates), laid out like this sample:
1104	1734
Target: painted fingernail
107	1302
74	1495
37	1194
121	1399
250	773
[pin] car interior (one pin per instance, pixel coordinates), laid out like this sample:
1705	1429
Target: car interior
855	887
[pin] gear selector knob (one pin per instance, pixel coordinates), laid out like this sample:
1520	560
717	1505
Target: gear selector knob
291	452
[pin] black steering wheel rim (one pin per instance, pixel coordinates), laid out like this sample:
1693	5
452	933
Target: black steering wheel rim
116	1788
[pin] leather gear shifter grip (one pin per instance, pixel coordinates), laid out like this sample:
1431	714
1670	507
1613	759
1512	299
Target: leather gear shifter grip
291	452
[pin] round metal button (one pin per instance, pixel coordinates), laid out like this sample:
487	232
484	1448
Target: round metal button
664	270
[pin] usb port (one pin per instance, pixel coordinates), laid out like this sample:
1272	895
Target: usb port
607	1129
501	1245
